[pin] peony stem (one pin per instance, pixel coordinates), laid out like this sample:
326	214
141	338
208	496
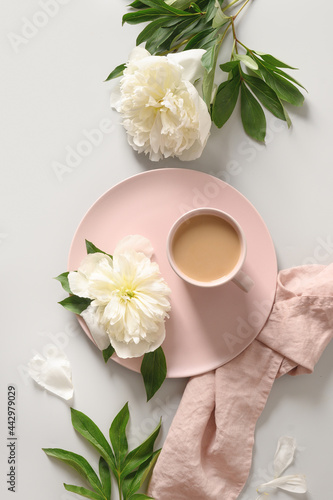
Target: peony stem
230	5
231	24
241	8
234	35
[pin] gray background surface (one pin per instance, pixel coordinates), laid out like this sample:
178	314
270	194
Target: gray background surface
51	94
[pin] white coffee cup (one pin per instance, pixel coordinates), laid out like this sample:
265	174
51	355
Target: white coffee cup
206	247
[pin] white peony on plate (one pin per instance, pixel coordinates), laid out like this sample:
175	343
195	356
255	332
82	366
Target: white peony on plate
207	327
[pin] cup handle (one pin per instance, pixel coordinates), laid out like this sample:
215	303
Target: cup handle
243	281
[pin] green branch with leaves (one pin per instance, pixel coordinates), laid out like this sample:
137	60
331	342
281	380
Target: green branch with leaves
130	469
258	79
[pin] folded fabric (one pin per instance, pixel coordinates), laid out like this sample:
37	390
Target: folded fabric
207	453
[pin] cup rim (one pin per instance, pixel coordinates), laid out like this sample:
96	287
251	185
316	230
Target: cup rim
209	211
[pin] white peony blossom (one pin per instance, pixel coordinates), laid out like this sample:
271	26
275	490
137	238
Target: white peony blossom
162	111
130	300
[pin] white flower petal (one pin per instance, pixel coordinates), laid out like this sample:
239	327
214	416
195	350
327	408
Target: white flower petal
115	97
94	261
53	373
295	483
163	114
126	350
190	60
97	331
135	349
78	284
94	272
134	242
138	53
196	149
284	454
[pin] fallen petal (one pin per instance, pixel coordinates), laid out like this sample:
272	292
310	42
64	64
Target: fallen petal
53	373
295	483
284	454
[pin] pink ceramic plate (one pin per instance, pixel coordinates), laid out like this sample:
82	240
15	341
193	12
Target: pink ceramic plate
207	327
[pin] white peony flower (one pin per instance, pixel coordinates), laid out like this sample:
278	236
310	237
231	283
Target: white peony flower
130	300
162	111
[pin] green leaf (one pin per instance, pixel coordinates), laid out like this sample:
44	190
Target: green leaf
181	4
201	38
208	59
107	353
229	66
165	8
156	4
278	71
225	100
135	480
78	463
137	4
207	87
141	16
282	87
253	117
153	370
285	90
183	30
210	10
287	117
140	454
118	436
161	40
104	474
84	492
220	18
288	77
75	304
266	96
178	31
273	61
209	62
150	30
91	248
89	430
63	278
118	71
196	8
247	60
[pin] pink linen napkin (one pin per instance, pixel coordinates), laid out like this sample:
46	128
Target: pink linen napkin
208	451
